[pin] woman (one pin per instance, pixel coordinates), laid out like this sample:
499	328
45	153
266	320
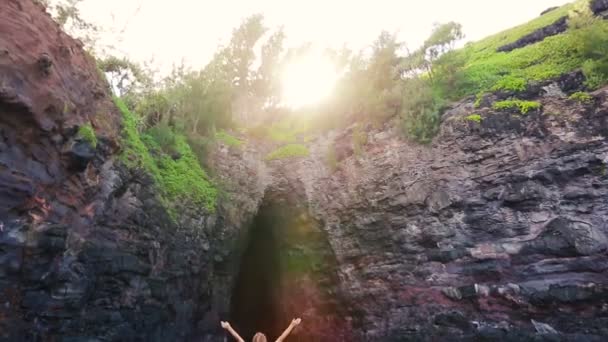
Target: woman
259	337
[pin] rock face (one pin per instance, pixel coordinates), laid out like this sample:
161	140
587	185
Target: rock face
87	253
497	225
599	6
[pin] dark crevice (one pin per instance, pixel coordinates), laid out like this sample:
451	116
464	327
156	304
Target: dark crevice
287	270
254	304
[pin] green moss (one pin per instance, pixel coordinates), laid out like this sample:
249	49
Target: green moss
177	174
581	96
183	178
87	133
288	151
510	83
474	117
523	106
228	139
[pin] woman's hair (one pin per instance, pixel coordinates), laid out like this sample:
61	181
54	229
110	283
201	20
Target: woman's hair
259	337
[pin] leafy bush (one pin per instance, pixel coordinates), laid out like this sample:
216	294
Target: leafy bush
474	117
228	139
581	96
523	106
591	36
420	111
288	151
87	133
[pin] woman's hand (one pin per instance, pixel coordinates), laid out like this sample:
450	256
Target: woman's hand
225	325
296	321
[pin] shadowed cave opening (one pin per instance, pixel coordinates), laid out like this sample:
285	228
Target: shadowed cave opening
287	270
255	295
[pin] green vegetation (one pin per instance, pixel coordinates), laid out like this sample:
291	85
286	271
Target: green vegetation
581	96
409	89
510	83
288	151
586	39
228	139
166	156
87	133
474	117
522	106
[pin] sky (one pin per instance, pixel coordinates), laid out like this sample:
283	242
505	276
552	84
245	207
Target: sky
190	30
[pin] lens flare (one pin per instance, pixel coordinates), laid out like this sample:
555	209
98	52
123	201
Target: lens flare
308	80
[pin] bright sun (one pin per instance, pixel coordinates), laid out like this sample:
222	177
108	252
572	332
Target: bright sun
308	80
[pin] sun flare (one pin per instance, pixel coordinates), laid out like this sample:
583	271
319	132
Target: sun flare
308	80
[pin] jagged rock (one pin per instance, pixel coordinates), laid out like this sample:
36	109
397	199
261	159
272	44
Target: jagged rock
599	6
543	328
550	9
559	26
81	154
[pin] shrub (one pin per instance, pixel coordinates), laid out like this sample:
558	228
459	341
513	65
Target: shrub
288	151
474	117
420	110
596	73
523	106
581	96
87	133
591	36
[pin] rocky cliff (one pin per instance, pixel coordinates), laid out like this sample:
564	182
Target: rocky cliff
496	231
87	252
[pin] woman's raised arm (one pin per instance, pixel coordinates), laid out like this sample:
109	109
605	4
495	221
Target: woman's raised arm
295	322
227	326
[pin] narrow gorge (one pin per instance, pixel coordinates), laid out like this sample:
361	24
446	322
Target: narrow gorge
495	231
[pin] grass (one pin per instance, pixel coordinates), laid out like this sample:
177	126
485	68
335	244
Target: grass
87	133
581	96
474	117
522	106
177	175
488	70
228	139
288	151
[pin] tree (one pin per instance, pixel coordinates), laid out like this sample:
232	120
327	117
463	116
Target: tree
124	75
267	83
67	14
442	40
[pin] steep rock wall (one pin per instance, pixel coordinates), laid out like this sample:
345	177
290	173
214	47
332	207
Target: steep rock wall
87	253
495	230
